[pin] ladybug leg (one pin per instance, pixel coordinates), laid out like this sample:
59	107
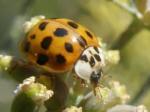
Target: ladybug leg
97	92
83	83
106	76
76	77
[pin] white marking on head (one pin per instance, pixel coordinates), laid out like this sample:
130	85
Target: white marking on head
91	61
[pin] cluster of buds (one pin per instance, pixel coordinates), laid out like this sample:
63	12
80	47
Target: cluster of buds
36	91
73	109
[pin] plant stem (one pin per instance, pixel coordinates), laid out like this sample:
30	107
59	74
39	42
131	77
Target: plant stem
145	87
126	36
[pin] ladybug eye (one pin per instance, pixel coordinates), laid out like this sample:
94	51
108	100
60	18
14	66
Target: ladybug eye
89	65
95	77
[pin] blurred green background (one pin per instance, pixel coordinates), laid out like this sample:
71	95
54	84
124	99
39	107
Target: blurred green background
118	27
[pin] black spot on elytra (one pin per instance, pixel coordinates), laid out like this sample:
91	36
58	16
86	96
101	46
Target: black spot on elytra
33	36
89	34
92	61
42	26
60	32
84	58
68	47
60	59
26	46
42	59
96	49
82	41
46	42
72	24
97	57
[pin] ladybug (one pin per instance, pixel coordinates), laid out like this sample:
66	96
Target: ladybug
60	45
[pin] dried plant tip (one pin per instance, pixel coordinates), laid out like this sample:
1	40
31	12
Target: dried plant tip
5	62
112	56
36	91
102	94
128	108
119	91
127	6
115	93
29	24
141	108
73	109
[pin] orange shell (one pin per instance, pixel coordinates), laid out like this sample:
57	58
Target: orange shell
56	44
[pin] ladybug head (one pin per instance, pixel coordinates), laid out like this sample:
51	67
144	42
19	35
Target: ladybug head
89	66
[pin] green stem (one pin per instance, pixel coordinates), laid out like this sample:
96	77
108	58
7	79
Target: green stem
135	27
27	4
144	88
